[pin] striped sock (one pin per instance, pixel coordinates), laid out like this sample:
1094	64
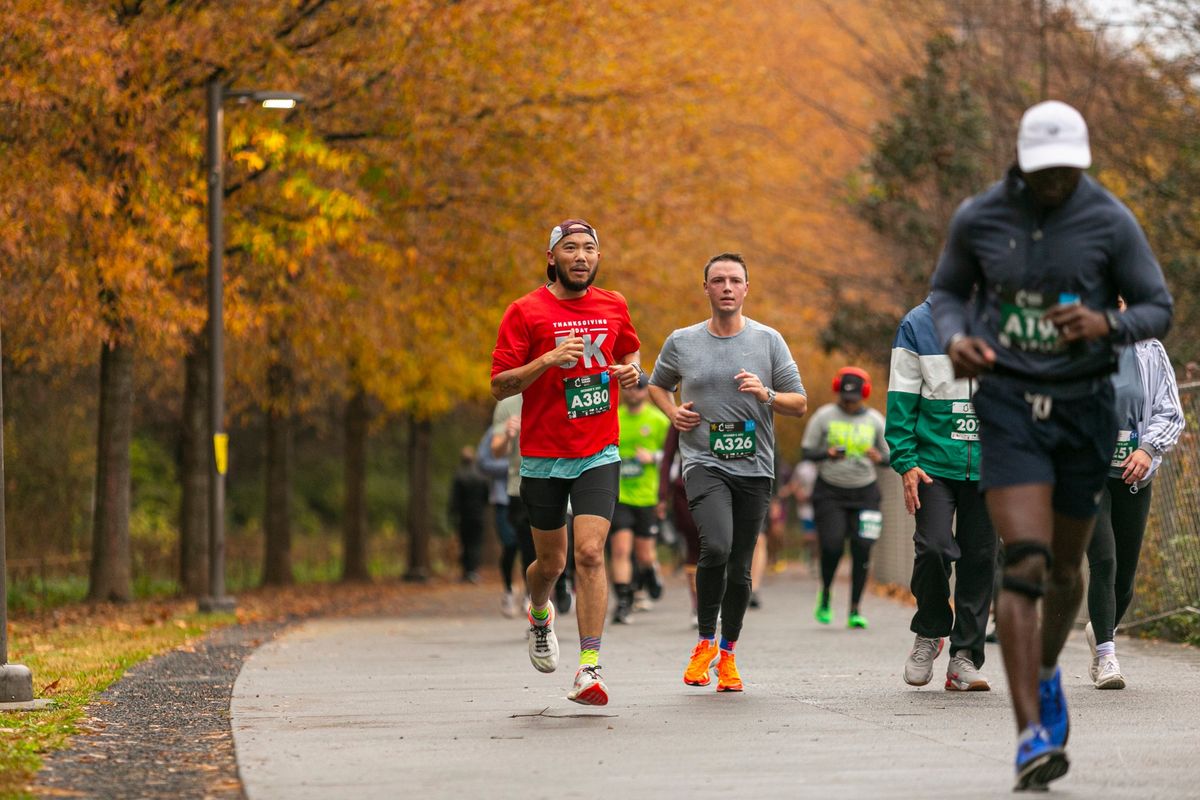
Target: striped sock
1106	649
727	646
589	650
540	615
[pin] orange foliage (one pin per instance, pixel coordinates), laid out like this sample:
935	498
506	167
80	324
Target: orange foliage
381	228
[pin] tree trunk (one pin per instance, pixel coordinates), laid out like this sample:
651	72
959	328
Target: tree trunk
111	573
195	463
277	519
354	520
419	442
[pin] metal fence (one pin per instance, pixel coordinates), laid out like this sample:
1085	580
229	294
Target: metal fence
1167	594
1168	581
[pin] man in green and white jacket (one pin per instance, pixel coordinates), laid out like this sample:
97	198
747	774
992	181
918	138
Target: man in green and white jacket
933	435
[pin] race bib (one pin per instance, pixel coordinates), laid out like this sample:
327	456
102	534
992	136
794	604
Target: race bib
1023	325
1126	444
964	423
870	524
632	468
587	395
730	440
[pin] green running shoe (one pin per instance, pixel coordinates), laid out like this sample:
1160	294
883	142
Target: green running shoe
822	612
856	620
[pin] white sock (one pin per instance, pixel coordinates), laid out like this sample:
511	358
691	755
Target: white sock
1106	649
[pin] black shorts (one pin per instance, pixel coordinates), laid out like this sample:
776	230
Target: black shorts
642	520
593	493
1069	444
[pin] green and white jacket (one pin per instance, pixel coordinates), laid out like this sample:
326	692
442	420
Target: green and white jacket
931	420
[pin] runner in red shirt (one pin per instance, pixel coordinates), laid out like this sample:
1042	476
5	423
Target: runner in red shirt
566	347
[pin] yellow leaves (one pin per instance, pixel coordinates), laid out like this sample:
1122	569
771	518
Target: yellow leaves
251	159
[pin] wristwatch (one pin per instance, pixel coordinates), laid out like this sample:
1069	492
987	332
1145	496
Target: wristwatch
1116	328
770	398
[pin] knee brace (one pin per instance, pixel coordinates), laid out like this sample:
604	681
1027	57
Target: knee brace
1016	553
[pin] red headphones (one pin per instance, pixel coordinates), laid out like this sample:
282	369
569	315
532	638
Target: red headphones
861	373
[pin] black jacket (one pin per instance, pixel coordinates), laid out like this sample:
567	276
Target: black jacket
1020	256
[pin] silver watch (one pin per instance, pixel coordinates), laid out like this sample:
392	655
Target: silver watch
770	398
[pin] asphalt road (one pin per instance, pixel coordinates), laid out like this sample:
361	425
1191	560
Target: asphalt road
447	705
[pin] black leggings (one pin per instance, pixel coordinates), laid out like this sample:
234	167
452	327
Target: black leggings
837	513
729	511
1113	554
519	519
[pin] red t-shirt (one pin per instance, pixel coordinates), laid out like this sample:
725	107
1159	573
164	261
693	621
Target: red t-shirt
572	412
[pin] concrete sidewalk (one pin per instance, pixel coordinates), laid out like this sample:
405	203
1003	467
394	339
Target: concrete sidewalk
450	707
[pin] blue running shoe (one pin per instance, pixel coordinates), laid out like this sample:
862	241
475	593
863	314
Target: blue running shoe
1053	705
1038	761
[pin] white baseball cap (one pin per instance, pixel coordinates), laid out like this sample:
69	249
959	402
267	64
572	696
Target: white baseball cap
1052	134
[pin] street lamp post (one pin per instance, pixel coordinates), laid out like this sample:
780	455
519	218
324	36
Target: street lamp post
217	599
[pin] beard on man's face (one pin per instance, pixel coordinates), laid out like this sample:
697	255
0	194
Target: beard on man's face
568	281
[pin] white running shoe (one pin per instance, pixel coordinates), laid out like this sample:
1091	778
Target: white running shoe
508	605
918	669
961	675
589	689
543	644
1090	633
1108	674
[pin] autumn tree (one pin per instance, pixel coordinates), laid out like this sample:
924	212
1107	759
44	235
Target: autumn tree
927	157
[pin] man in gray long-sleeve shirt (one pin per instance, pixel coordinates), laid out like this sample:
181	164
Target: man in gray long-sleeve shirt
733	375
1045	252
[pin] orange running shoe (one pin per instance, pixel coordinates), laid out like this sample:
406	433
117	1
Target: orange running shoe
728	679
703	657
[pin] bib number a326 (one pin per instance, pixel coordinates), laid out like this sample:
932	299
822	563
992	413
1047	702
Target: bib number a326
729	440
587	395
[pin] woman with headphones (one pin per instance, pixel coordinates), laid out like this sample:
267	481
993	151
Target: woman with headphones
846	441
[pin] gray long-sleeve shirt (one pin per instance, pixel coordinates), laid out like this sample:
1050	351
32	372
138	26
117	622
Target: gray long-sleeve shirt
703	366
1023	260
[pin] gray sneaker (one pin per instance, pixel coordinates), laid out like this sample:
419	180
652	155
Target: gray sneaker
1108	674
918	669
543	644
1090	634
961	675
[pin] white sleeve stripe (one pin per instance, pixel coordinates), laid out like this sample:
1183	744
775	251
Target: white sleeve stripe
905	375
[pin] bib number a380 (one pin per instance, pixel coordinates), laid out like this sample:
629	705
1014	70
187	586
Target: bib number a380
729	440
587	395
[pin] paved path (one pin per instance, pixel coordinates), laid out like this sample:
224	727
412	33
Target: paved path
450	707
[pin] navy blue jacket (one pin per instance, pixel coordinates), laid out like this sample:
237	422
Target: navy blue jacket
1008	248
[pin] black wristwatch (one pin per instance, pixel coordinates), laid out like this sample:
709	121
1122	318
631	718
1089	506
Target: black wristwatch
1116	326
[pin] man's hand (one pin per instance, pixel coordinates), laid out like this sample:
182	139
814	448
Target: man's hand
1137	466
684	418
660	510
875	456
1077	322
970	356
912	479
644	456
626	374
836	453
749	382
512	428
568	351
